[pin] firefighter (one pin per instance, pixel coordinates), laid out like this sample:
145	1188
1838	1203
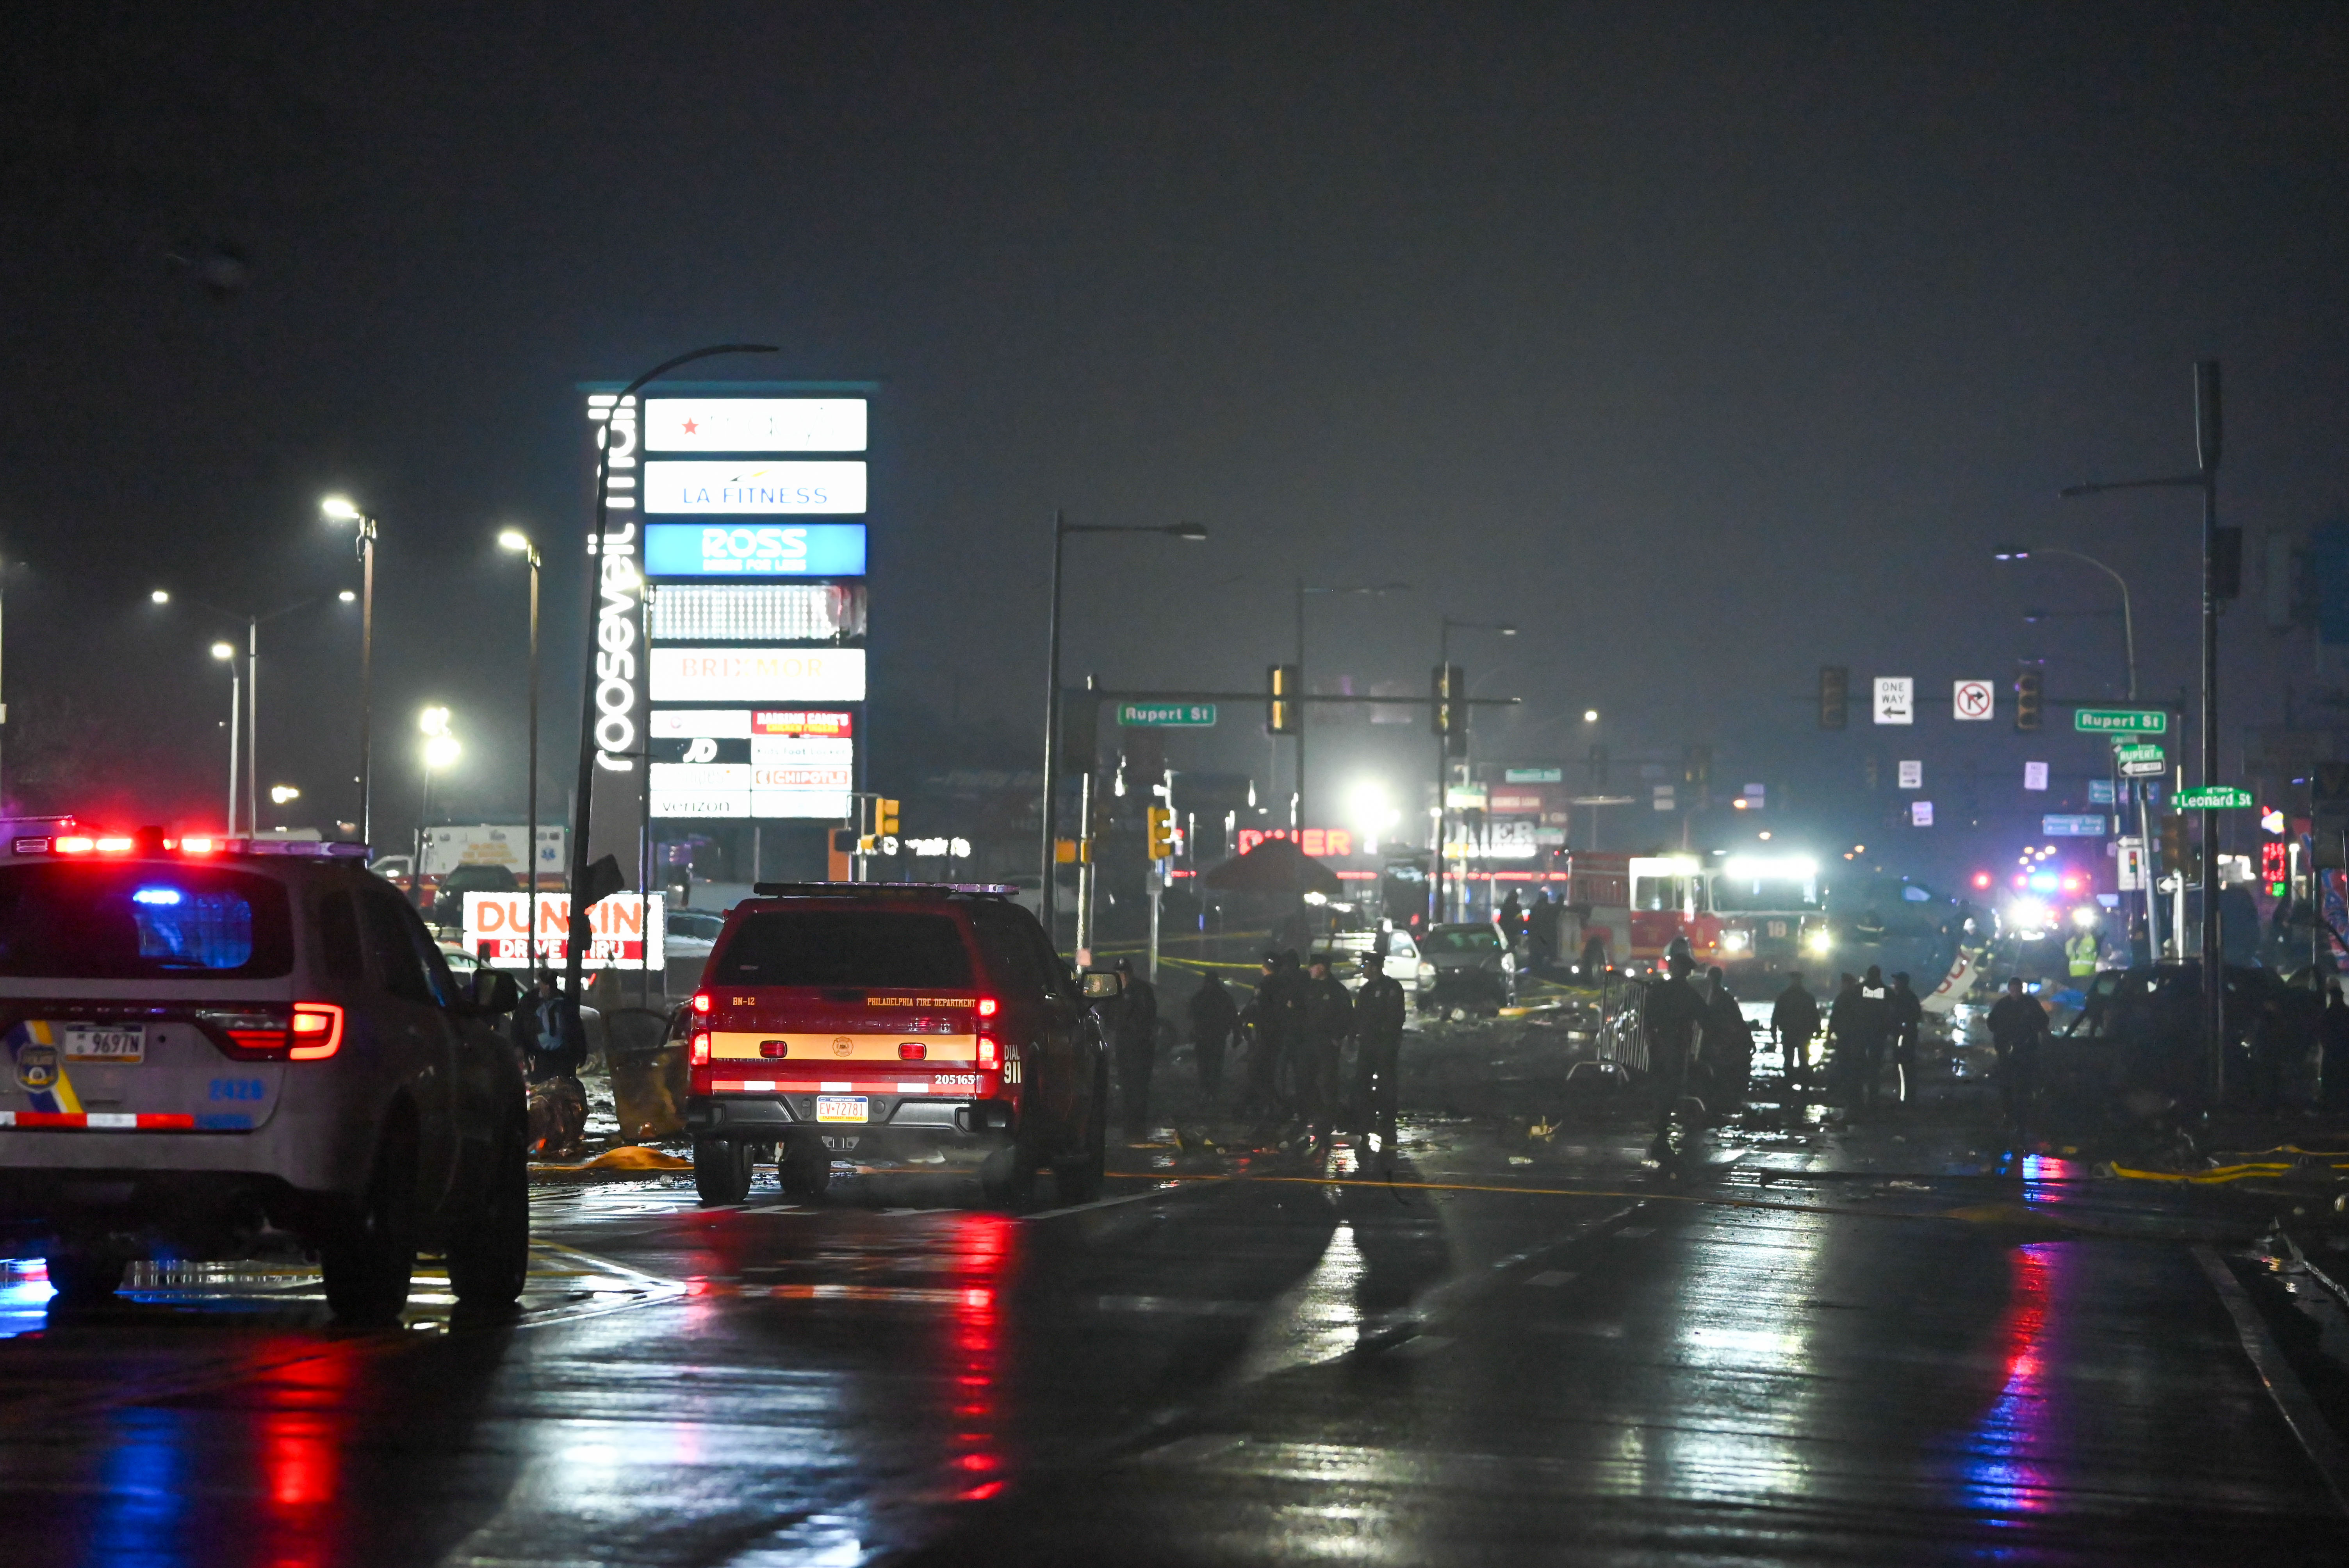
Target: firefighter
1674	1013
1378	1048
2018	1029
1212	1019
1794	1020
1329	1018
1137	1045
2080	955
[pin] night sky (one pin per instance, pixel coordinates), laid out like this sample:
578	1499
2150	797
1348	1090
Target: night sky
1709	343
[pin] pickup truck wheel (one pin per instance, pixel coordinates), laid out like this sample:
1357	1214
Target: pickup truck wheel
369	1258
721	1171
805	1169
86	1273
1080	1176
489	1250
1007	1178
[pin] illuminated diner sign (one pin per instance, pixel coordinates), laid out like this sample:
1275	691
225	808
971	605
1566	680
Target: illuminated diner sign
752	550
754	424
756	675
1316	842
753	487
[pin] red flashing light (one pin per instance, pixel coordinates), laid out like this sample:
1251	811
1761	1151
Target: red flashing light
987	1006
2022	881
198	845
1981	878
700	1046
991	1052
701	1002
75	844
2071	884
117	844
317	1031
910	1052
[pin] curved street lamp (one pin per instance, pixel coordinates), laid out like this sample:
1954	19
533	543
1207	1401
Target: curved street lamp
340	509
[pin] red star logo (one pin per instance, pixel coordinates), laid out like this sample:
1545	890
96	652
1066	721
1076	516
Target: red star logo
691	427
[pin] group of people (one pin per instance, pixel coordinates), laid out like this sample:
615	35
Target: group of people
1868	1020
1294	1031
1700	1047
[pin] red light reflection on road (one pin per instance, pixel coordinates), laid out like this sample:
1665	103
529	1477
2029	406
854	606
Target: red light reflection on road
303	1423
981	1246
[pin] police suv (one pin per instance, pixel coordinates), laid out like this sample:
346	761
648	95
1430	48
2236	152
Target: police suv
213	1039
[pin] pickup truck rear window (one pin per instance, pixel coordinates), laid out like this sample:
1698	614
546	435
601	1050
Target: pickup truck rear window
870	949
81	921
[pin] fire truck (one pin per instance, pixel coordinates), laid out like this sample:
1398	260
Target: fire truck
1751	914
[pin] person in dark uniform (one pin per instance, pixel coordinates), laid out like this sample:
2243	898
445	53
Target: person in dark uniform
1794	1022
1329	1018
1843	1035
1908	1017
1137	1045
1728	1042
1378	1046
2018	1031
1871	1032
547	1031
1274	1016
1212	1019
2332	1046
1674	1013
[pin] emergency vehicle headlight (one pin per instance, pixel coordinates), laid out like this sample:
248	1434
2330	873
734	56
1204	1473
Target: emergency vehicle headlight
2084	917
1735	941
1820	941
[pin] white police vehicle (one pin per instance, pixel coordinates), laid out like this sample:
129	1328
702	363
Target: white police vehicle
210	1040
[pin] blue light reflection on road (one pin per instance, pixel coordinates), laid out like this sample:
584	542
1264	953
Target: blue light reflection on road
2008	1471
25	1291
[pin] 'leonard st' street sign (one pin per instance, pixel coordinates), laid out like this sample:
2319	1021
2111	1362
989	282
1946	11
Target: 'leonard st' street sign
2212	797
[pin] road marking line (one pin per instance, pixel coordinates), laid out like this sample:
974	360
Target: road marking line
1420	1345
2300	1412
1551	1278
1633	1232
1107	1202
1586	1330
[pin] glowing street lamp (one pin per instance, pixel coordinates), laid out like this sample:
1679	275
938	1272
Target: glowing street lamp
226	654
341	509
438	753
516	541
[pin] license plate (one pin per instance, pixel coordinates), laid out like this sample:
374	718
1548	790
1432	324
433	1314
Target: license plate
90	1043
840	1107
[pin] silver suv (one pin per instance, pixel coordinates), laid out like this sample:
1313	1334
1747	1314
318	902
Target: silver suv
209	1040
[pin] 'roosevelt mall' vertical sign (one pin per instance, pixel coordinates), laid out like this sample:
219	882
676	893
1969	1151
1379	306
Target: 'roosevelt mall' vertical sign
730	625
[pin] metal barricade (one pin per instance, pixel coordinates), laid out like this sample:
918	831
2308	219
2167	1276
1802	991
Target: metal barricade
1622	1037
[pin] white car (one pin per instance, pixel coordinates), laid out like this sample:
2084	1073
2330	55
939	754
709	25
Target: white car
211	1040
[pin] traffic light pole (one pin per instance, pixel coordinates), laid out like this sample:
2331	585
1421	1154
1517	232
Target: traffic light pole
2207	431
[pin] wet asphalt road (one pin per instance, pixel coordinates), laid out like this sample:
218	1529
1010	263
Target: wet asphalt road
1884	1346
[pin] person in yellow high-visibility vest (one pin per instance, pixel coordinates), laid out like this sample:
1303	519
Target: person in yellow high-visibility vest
2080	955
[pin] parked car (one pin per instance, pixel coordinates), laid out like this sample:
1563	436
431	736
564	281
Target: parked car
1344	949
1475	970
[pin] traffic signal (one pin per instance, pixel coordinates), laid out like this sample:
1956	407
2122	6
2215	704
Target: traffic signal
1162	834
2179	853
1283	715
1449	713
2029	694
1834	696
884	817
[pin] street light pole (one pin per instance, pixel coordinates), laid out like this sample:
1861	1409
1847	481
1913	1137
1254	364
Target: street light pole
1190	533
583	806
339	508
2207	430
2144	812
226	654
514	539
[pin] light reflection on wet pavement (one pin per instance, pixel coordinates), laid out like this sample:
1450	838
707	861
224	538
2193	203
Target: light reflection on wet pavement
1804	1358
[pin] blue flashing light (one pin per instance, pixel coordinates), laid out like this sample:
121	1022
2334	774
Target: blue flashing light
158	895
2045	881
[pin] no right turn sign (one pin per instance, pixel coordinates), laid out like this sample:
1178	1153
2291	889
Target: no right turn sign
1973	700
